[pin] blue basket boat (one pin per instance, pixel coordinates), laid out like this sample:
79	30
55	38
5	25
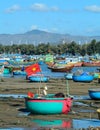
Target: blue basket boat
48	104
6	71
94	93
38	78
68	76
19	72
84	77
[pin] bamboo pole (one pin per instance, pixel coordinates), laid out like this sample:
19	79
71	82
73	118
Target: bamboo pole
67	86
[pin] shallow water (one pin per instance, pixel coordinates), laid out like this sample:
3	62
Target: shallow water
13	95
58	124
49	73
85	123
83	97
19	128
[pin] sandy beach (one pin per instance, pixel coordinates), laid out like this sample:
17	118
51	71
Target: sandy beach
11	109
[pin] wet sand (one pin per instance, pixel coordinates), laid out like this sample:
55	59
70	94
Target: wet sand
11	109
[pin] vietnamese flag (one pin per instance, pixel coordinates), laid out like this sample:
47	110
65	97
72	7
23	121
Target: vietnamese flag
33	69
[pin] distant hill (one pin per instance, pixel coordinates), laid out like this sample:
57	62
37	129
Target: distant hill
37	36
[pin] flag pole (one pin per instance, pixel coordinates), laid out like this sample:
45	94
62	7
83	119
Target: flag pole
40	82
67	85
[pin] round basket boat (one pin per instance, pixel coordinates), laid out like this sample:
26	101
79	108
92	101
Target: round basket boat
94	93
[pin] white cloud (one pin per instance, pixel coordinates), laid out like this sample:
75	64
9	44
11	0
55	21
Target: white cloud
12	9
34	27
93	8
39	7
43	8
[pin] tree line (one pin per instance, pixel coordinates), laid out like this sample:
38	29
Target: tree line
71	48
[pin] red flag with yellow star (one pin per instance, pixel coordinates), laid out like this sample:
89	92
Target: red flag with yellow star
33	69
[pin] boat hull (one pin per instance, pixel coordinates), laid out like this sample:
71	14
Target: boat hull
48	106
19	73
68	76
38	79
94	93
83	78
90	64
62	69
6	71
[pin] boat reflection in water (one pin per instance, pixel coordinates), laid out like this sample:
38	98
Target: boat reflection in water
52	123
60	124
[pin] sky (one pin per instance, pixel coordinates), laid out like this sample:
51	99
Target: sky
74	17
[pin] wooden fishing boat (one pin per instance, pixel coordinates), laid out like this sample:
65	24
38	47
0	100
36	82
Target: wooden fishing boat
84	77
48	104
94	93
20	63
78	64
90	64
66	68
14	68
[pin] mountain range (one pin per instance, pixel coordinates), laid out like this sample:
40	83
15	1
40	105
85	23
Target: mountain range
37	36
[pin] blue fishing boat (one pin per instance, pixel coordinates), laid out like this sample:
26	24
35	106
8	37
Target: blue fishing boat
38	78
19	72
96	75
94	93
40	62
6	71
68	76
84	77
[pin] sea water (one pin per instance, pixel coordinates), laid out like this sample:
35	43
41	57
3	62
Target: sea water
47	72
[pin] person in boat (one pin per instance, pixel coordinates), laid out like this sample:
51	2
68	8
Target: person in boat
23	68
59	95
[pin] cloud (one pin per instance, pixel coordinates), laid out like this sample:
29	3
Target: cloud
12	9
34	27
93	8
43	8
40	7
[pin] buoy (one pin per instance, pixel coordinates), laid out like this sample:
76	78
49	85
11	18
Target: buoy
30	95
44	92
45	88
98	111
